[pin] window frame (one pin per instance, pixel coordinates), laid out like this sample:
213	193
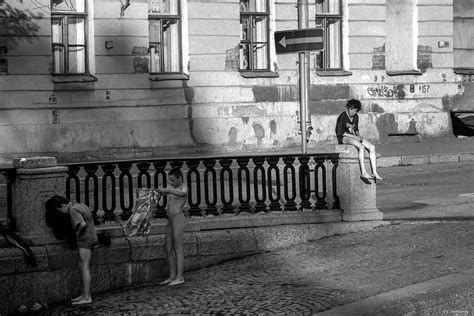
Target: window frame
324	53
161	17
63	16
250	17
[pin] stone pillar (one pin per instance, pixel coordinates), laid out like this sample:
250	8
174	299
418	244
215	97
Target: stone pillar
37	179
357	196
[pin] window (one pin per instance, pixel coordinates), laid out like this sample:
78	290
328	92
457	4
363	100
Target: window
68	31
164	22
329	17
3	60
254	53
463	41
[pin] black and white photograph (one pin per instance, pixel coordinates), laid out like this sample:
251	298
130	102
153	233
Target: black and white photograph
237	157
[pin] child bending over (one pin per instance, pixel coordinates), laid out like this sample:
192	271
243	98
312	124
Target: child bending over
85	233
347	131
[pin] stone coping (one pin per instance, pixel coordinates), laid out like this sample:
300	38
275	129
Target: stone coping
34	162
211	223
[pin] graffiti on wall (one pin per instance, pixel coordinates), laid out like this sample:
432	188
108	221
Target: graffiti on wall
381	91
396	91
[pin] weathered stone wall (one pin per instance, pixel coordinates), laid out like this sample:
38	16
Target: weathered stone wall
134	260
126	114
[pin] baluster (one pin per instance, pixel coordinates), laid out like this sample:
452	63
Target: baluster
72	176
143	167
227	206
243	168
211	208
108	173
290	204
320	199
336	204
91	171
274	201
260	206
304	180
194	207
160	171
125	172
9	176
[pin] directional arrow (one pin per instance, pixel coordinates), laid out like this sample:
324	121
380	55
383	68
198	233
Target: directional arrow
299	40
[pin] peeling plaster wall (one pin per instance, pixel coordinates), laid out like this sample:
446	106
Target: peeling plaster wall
125	114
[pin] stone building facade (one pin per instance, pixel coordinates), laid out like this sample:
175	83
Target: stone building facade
107	79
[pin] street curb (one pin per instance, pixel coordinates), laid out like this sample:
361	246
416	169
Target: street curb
393	161
443	293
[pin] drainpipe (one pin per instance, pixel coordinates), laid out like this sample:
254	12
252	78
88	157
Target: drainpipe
304	77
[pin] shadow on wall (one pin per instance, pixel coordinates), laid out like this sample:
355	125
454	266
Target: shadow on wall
17	23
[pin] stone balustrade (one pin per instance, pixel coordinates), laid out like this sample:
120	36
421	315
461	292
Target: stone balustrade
208	239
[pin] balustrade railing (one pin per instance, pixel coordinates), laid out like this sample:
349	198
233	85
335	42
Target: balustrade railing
217	185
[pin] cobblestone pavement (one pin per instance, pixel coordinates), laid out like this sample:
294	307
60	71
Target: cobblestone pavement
306	278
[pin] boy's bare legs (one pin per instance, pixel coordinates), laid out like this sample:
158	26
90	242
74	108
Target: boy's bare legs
372	157
361	150
177	228
84	264
170	254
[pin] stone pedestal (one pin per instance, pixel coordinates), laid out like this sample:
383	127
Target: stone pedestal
38	178
357	196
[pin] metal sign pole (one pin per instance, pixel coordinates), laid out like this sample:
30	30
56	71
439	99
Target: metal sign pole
304	69
303	101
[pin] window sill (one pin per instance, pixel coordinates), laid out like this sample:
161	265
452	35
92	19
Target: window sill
259	74
404	72
333	73
73	78
464	71
161	77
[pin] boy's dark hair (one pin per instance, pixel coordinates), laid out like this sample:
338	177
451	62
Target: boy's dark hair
176	172
56	202
59	222
354	104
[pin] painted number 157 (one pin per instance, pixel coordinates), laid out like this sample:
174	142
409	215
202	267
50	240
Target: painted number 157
424	88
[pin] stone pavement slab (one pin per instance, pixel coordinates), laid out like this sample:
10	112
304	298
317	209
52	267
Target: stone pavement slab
424	151
307	278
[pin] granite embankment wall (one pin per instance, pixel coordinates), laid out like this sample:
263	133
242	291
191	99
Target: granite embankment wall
134	260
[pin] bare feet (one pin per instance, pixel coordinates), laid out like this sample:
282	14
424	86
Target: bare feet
82	301
76	298
365	175
168	280
377	177
177	282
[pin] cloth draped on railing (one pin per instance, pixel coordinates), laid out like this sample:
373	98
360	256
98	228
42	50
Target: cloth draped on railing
143	211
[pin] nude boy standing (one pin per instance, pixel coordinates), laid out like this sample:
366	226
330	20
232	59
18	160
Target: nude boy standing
177	197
